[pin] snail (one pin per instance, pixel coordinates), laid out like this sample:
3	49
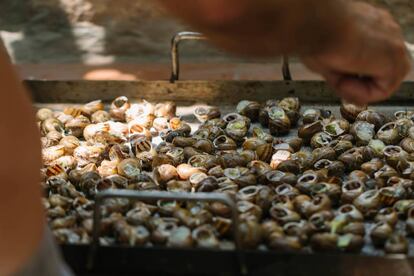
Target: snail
250	109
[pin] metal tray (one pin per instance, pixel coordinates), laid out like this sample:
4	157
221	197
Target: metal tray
119	260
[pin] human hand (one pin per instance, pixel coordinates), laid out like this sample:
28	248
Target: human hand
368	61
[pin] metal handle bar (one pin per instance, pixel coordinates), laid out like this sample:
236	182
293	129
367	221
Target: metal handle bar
157	195
175	62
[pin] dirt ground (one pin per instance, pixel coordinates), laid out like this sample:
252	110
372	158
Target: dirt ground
113	31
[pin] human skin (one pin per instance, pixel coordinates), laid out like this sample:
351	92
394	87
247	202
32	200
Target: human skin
358	48
22	220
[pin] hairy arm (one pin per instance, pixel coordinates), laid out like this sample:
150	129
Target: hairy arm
265	27
21	222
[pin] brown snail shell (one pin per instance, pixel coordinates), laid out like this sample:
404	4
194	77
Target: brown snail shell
336	127
43	114
185	171
352	159
250	233
269	227
363	132
52	124
355	228
393	154
320	139
249	211
349	213
129	168
324	242
264	152
283	215
350	242
350	111
253	143
283	243
163	231
341	146
279	122
261	134
372	117
237	129
118	108
92	107
180	238
250	109
371	167
291	166
352	189
389	134
165	173
407	144
396	244
367	202
278	157
286	190
388	215
204	145
183	142
165	109
222	225
311	115
295	143
224	142
323	153
389	195
402	206
205	113
208	184
204	237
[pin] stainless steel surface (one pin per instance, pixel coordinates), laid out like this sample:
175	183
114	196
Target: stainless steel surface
175	57
225	94
156	195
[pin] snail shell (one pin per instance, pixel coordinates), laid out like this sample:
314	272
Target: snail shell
380	233
165	109
204	237
372	117
51	124
350	111
307	131
100	116
396	244
283	215
185	171
324	242
118	108
320	139
44	114
261	134
279	122
389	134
250	233
388	215
50	154
183	142
250	109
205	113
237	129
368	202
93	107
407	144
351	190
363	132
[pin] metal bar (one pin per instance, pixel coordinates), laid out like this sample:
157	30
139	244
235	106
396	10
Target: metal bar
175	58
175	63
287	76
157	195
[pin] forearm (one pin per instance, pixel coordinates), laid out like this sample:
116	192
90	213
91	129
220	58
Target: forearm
265	27
21	215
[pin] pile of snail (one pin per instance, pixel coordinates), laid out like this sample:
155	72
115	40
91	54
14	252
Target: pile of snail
337	185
